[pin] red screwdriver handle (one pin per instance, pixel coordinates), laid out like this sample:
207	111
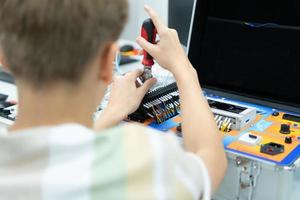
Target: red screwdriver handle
149	33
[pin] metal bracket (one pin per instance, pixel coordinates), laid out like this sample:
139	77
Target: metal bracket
248	173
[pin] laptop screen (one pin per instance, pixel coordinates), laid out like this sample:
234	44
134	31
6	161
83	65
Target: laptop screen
249	48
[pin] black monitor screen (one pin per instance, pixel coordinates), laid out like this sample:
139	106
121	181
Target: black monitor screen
180	14
248	47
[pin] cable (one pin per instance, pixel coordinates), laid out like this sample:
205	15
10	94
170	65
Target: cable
258	25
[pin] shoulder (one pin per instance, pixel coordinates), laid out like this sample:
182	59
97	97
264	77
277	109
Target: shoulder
143	143
147	136
182	171
137	130
161	161
165	147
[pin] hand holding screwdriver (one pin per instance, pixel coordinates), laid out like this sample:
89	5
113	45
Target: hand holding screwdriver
168	52
200	133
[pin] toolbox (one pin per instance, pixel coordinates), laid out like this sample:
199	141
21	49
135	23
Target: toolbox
246	54
254	174
263	155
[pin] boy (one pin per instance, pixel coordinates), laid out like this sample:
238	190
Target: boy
61	54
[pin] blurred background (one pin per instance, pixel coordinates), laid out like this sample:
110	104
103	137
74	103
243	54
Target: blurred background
176	13
137	15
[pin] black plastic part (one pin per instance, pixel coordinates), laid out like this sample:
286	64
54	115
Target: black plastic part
142	113
292	118
155	94
226	107
138	117
252	136
149	27
5	111
4	104
285	129
288	140
275	114
272	149
3	97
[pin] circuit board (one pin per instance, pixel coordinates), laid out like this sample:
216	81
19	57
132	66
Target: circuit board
273	136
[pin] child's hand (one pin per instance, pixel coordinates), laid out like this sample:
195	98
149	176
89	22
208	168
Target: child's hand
125	96
168	52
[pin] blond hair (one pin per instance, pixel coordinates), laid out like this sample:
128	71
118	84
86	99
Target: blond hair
45	41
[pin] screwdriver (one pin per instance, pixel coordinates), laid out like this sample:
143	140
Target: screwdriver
149	33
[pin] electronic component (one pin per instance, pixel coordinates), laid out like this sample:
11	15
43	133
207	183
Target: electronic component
272	148
285	129
288	140
231	116
160	104
8	112
250	139
292	118
3	97
164	103
275	114
224	123
6	107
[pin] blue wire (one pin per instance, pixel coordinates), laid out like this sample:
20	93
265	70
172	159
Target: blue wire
257	25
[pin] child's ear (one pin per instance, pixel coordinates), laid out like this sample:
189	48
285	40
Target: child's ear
106	62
